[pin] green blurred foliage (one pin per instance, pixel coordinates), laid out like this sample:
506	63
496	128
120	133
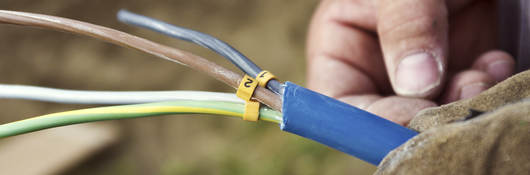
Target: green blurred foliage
270	32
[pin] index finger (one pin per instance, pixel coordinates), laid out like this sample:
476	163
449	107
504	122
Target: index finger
344	57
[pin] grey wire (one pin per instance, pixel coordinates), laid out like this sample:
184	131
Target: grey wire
202	39
108	97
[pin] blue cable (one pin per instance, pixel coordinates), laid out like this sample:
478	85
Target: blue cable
340	125
202	39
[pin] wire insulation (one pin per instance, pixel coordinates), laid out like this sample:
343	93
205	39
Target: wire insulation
132	111
339	125
123	39
108	97
202	39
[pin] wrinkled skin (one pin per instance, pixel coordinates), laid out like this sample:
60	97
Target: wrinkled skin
397	57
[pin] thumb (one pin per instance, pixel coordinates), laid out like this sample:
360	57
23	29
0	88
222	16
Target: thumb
414	37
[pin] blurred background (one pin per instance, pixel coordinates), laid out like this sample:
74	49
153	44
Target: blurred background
270	32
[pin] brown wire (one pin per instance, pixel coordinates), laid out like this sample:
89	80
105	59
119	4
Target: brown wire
124	39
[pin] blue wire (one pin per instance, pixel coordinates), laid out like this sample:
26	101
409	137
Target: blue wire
339	125
202	39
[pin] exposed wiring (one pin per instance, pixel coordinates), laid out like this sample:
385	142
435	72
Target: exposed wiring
108	97
304	112
132	111
120	38
202	39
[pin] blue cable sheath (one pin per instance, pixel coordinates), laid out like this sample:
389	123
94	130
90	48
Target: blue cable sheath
202	39
339	125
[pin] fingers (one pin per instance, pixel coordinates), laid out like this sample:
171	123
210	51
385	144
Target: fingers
413	36
336	78
394	108
467	84
498	64
345	61
360	101
399	109
344	58
488	69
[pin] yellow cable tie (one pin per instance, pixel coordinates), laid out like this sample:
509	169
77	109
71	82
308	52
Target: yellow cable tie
251	111
247	86
264	77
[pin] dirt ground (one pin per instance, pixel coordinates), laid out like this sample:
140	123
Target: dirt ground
270	32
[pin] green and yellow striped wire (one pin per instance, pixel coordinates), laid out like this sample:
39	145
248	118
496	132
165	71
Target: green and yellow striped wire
132	111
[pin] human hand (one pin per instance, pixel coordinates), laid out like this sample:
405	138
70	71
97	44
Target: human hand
396	57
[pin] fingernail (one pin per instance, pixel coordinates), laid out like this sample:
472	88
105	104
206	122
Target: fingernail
500	70
472	90
417	73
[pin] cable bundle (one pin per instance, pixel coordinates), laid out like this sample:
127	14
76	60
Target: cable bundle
305	113
157	102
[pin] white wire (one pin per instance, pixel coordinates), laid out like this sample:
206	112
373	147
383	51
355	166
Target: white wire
108	97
